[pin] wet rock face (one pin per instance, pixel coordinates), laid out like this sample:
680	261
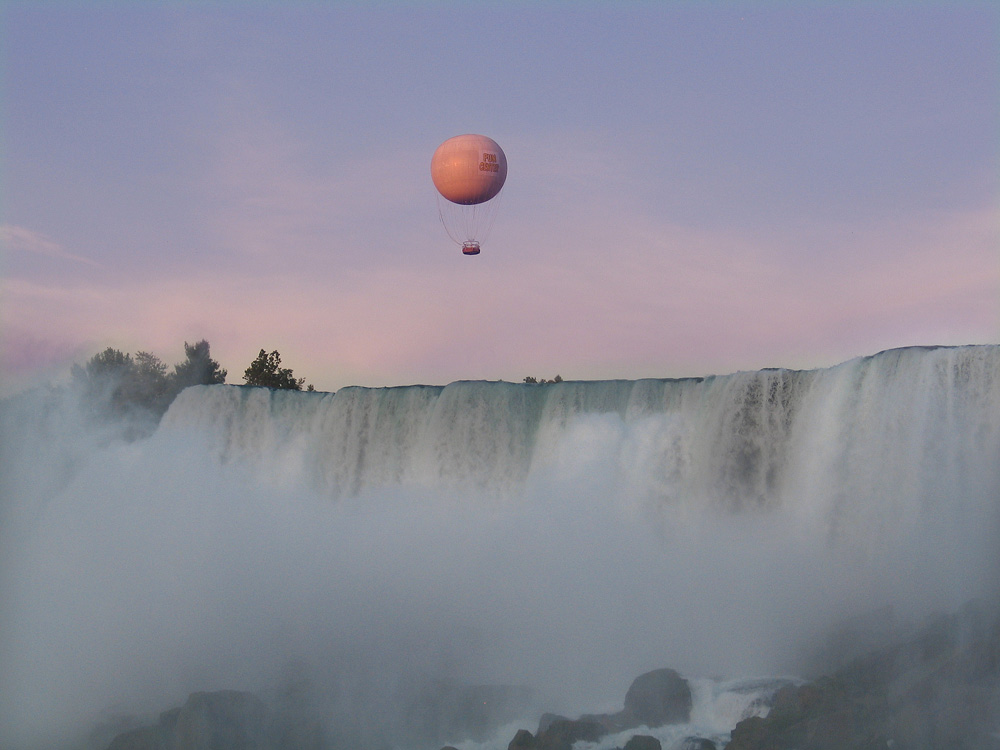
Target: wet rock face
523	740
223	720
696	743
938	690
562	733
297	719
657	698
557	733
643	742
654	699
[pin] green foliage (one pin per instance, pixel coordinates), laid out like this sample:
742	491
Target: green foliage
138	390
117	385
149	384
108	380
535	381
266	371
198	368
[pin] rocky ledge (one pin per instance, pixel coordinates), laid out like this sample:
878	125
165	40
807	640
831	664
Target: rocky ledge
938	689
654	699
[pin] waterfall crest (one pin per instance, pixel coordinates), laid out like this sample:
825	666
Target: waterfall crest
906	425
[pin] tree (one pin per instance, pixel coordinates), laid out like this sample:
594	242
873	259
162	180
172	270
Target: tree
115	383
148	384
103	377
266	371
198	368
109	363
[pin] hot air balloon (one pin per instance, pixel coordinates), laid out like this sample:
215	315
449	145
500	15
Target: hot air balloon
468	172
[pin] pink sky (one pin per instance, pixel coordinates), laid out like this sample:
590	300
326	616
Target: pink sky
668	220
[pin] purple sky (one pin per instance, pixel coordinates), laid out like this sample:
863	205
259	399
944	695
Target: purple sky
693	187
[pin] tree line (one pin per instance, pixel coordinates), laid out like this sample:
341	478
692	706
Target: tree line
118	384
535	381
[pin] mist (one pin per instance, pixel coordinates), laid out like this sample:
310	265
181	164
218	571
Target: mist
564	537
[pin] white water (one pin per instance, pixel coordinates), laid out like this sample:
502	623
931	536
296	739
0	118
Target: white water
566	536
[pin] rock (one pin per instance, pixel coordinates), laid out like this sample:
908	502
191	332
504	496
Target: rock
643	742
523	740
207	721
818	716
556	733
657	698
654	699
147	738
939	688
696	743
561	733
749	734
612	723
546	721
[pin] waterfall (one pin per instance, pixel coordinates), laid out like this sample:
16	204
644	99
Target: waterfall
564	536
900	428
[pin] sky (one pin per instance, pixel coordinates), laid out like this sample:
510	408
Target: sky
693	188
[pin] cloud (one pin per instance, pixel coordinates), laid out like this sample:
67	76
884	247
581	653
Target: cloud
26	240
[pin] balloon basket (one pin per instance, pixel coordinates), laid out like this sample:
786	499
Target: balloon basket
470	248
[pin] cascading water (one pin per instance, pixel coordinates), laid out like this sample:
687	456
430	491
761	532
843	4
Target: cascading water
562	536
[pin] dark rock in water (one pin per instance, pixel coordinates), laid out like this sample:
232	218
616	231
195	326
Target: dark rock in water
523	740
147	738
696	743
546	721
294	718
561	733
657	698
751	734
556	733
938	689
765	691
643	742
654	699
224	720
612	723
816	716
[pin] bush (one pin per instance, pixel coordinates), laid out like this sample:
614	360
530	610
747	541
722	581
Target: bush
266	371
117	385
